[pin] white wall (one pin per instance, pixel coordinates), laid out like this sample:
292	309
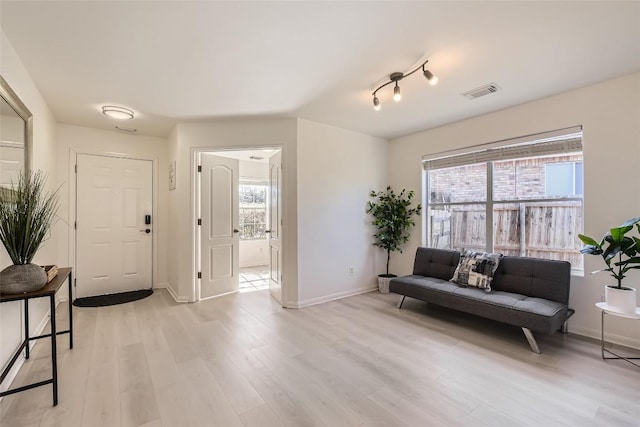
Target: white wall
610	115
254	252
73	140
173	210
326	229
43	158
254	170
245	133
336	171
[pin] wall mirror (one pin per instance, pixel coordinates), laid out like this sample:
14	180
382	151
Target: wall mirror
15	136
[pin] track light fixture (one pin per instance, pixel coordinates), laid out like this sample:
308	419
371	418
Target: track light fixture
396	77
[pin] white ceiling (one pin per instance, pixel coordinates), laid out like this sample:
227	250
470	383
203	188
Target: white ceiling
255	156
174	61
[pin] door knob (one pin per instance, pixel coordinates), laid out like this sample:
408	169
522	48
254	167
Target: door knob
267	231
146	230
235	230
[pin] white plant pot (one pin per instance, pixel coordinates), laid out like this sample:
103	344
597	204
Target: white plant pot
383	282
621	299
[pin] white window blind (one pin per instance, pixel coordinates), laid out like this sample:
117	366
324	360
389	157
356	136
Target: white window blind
564	141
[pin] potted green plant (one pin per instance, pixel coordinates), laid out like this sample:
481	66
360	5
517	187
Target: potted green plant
392	215
26	212
621	253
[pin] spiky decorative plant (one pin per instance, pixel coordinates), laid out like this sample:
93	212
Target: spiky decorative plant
26	212
616	244
392	216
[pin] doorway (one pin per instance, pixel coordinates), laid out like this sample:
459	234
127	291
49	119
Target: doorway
254	278
114	225
239	221
254	244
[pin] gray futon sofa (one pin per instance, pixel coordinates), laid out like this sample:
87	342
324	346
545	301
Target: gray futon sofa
526	292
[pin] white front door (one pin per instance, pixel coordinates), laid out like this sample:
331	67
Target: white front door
219	234
274	226
114	242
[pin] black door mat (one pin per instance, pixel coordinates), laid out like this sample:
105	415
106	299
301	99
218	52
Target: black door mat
112	299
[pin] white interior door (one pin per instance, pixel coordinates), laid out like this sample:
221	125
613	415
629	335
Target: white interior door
274	226
219	234
114	248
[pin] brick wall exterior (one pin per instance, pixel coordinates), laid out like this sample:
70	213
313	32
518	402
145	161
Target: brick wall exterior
513	179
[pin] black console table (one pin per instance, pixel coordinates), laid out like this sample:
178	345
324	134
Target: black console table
50	291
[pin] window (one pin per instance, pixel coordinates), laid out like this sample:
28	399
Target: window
253	211
563	178
520	197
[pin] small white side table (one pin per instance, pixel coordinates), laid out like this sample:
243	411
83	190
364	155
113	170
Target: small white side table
605	309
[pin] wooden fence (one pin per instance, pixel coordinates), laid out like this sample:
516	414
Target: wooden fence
540	230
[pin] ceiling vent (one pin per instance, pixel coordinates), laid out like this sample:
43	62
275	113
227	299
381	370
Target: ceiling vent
126	130
481	91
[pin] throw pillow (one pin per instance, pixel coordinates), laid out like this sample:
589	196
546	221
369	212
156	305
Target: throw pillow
476	269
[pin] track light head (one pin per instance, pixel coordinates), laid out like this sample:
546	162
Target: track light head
376	103
433	80
396	93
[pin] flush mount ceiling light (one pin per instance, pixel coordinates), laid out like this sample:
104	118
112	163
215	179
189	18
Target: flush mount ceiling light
396	77
119	113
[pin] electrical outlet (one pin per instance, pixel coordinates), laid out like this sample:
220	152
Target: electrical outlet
351	270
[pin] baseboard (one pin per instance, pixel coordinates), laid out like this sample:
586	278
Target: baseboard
611	338
331	297
218	296
168	287
13	372
266	263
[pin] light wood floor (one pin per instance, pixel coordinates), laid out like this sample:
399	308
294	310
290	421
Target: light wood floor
241	360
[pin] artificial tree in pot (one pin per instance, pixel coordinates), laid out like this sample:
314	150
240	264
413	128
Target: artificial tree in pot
393	217
621	253
26	212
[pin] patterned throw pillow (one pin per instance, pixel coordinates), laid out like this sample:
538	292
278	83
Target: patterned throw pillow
476	269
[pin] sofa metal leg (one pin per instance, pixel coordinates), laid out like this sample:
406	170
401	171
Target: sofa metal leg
532	340
565	327
401	301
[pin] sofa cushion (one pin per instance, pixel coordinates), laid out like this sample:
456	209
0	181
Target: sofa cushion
476	269
438	263
541	278
417	286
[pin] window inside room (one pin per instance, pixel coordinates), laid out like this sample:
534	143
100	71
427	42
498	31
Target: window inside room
521	197
563	178
253	211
